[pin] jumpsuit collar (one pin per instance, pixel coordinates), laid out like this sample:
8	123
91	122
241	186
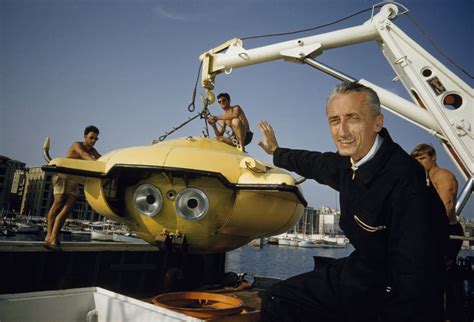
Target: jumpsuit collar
368	168
375	147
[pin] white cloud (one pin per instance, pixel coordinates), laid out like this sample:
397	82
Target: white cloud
169	15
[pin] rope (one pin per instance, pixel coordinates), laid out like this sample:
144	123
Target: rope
191	106
204	114
313	28
441	51
425	34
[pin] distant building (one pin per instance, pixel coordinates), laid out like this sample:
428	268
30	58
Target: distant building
10	184
17	190
468	232
329	221
38	197
309	222
324	221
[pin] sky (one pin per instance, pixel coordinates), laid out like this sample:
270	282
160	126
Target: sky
129	67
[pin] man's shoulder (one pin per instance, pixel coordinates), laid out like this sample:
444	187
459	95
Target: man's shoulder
398	157
76	144
442	174
71	153
401	164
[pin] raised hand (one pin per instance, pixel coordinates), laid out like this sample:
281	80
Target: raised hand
269	142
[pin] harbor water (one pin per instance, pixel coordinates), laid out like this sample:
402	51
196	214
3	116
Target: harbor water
279	261
285	261
269	260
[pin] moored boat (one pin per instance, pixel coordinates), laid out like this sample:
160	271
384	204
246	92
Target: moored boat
102	235
23	228
126	238
282	241
7	231
272	241
294	242
306	244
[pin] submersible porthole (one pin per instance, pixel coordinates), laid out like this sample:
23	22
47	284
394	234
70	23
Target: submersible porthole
192	204
147	199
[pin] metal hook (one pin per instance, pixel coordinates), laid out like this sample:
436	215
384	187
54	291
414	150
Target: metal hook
211	98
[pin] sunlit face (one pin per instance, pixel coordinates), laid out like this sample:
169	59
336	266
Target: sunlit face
426	161
223	102
90	139
353	128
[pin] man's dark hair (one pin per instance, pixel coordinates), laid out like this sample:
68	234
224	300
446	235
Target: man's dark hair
422	149
225	95
91	128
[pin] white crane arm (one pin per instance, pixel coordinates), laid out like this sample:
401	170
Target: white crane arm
443	103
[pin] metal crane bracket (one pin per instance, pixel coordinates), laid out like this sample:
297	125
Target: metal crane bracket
297	55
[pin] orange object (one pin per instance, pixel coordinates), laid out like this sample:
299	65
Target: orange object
199	304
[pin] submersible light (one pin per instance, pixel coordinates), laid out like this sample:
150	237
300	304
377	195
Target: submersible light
148	199
192	204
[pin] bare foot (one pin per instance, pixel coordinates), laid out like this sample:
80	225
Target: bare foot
54	247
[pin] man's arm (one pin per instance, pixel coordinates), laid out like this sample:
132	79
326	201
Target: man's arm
95	154
323	167
235	113
213	122
79	150
447	188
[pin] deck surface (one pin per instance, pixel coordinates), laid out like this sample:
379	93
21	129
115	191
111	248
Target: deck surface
38	246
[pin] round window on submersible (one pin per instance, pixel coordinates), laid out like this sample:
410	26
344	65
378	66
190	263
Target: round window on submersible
192	204
147	199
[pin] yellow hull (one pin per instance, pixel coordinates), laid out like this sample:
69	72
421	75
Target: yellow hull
212	194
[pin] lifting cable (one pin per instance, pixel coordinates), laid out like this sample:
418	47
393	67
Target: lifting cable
438	48
313	28
424	33
191	106
204	114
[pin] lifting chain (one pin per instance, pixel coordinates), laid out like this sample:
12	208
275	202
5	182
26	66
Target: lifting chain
204	114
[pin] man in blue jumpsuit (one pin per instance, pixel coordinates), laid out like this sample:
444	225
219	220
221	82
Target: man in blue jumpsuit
394	221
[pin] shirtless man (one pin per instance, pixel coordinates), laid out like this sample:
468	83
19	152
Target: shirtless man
447	187
233	117
66	190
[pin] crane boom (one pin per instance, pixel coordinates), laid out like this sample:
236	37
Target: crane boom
442	102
